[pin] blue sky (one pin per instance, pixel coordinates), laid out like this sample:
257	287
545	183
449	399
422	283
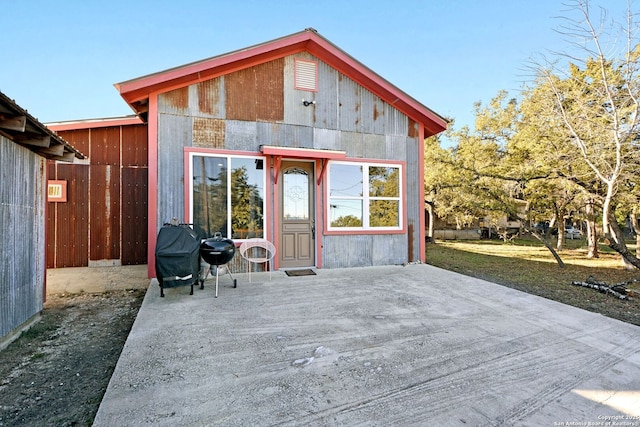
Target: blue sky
60	59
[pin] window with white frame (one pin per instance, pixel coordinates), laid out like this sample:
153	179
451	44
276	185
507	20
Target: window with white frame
364	196
227	195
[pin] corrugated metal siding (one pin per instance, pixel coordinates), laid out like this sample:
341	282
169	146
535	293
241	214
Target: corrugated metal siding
242	135
104	213
256	93
175	101
211	97
350	105
352	144
134	215
105	146
396	147
134	145
327	98
396	123
374	146
77	138
22	227
414	204
71	237
51	222
113	187
363	250
260	106
174	133
327	139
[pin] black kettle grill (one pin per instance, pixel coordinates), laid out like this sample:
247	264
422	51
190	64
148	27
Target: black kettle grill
218	251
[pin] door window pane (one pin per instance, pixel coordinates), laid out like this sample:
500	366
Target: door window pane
295	186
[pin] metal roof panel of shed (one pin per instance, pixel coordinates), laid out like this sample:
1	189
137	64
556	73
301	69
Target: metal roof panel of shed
22	128
136	91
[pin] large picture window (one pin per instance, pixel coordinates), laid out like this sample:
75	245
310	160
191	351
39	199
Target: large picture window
227	196
364	196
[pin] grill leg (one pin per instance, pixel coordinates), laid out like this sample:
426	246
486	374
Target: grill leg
217	277
235	283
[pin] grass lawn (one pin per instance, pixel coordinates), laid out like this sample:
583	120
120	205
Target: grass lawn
528	266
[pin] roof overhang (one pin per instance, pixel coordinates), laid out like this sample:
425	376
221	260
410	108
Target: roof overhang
22	128
301	153
136	91
95	123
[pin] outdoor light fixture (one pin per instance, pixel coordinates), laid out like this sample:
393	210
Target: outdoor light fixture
307	103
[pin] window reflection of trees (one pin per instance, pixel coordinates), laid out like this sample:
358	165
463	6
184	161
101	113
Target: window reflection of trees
384	182
381	197
211	189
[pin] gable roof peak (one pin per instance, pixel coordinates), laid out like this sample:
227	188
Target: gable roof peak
136	91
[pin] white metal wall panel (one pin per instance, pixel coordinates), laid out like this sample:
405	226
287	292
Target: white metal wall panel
350	106
396	147
396	122
241	135
327	98
297	136
374	146
352	144
174	133
414	204
364	250
326	139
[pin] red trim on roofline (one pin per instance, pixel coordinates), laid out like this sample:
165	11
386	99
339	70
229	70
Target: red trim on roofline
137	90
95	123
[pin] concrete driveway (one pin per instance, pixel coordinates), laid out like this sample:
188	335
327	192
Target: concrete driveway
380	346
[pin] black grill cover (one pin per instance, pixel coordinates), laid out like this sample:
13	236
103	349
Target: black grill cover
177	256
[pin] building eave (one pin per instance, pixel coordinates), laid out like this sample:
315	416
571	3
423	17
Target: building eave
136	91
17	125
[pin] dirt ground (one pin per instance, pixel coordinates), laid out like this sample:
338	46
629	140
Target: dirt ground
56	373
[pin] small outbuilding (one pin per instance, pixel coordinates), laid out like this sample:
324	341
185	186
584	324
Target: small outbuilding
25	146
294	141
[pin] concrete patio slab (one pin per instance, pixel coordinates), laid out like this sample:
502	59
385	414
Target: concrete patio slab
381	346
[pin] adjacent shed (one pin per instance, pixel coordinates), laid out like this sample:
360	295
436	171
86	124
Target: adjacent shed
25	144
292	140
104	221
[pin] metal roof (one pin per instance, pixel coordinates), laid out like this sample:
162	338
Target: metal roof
136	91
22	128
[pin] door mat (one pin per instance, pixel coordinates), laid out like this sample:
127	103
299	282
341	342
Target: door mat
305	272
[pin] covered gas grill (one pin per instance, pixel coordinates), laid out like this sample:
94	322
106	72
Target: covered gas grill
218	251
177	256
